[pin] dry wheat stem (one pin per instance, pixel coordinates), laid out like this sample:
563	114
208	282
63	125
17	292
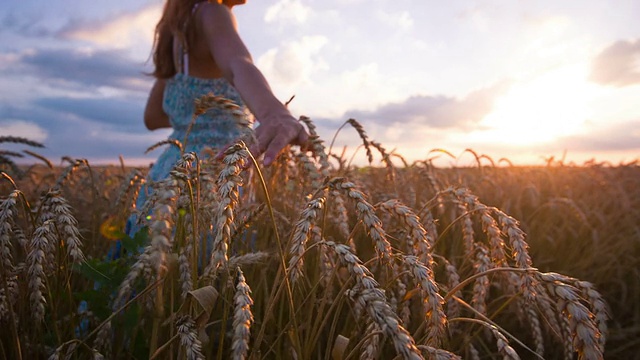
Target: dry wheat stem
485	321
20	140
173	142
502	343
39	157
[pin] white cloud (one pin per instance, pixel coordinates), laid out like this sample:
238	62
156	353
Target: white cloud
129	31
618	64
364	88
25	129
287	11
293	63
401	21
330	95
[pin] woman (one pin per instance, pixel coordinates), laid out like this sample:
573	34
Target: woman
197	51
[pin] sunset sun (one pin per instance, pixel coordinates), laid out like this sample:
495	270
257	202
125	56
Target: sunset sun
541	109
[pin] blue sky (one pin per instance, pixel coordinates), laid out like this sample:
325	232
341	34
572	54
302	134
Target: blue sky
521	80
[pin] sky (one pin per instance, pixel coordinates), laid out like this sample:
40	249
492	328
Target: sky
521	80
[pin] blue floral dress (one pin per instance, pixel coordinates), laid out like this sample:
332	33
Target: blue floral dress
214	129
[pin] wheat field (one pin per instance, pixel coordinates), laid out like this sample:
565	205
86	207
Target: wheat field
316	258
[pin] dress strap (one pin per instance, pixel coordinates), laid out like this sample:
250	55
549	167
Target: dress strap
183	49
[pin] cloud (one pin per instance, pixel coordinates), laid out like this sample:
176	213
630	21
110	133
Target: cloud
622	136
287	12
435	111
618	64
27	26
86	68
293	62
401	21
22	128
129	30
67	132
121	113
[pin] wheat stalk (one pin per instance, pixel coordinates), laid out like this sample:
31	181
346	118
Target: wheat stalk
481	285
20	140
242	318
173	142
363	135
583	329
65	223
189	338
7	213
36	265
301	234
367	214
367	295
432	301
228	182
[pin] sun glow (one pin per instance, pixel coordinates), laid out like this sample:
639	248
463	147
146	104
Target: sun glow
540	110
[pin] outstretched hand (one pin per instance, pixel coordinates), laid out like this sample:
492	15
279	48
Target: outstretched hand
274	135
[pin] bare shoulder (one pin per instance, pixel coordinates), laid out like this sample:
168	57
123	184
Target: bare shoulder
214	15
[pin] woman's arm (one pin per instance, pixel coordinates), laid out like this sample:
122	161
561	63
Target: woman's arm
154	116
278	127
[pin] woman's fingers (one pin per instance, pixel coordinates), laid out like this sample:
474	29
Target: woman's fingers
272	138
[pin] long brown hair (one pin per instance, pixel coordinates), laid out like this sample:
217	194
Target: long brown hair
174	21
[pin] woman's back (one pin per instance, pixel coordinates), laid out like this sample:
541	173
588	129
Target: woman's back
201	63
197	75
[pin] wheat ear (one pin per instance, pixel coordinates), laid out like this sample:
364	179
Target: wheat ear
242	318
189	338
301	234
228	182
367	214
370	297
586	337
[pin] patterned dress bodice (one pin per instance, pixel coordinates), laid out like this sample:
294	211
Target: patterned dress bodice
213	129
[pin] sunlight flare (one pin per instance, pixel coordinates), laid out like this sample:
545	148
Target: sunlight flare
541	110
